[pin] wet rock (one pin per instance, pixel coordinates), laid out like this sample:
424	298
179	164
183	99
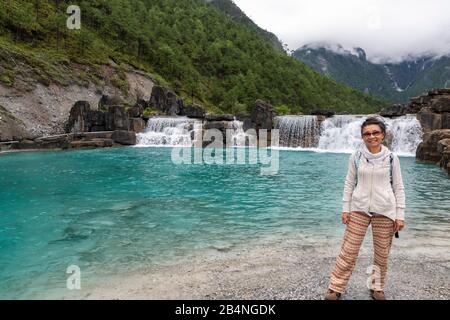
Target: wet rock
323	112
106	101
262	115
124	137
136	111
441	104
395	110
117	118
192	111
165	101
94	143
11	128
429	120
435	147
137	125
219	117
96	121
78	117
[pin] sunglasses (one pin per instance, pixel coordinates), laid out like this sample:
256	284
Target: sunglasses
374	133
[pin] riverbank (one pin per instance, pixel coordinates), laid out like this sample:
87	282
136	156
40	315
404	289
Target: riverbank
285	269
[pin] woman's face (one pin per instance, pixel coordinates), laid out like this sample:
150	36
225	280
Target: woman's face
372	135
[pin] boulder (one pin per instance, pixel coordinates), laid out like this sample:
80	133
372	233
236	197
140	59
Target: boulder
117	119
94	143
124	137
136	111
445	120
11	128
248	124
78	117
219	117
192	111
165	101
395	110
430	149
444	149
137	125
443	145
441	104
53	142
106	101
262	115
429	120
439	91
96	121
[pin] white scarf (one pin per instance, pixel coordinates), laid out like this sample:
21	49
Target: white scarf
375	158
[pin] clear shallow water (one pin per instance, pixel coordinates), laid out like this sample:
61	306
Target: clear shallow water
116	210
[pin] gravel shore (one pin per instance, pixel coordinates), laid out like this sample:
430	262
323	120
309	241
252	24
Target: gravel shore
276	270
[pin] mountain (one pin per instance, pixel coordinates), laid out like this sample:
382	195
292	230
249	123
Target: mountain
231	9
214	57
395	82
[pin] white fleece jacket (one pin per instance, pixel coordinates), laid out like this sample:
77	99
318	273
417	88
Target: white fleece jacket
373	192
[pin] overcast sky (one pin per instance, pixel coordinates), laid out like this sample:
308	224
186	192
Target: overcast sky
385	29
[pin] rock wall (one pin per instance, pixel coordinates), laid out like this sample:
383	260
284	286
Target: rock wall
434	117
43	110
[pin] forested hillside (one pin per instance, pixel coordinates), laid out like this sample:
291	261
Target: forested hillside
191	46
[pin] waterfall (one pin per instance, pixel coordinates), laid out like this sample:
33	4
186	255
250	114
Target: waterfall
239	136
342	133
167	131
339	133
298	131
179	131
404	134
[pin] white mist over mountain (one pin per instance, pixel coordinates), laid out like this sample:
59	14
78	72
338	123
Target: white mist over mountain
389	31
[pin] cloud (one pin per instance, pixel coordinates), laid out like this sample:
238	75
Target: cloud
386	29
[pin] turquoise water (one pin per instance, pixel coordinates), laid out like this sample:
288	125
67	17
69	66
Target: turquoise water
116	210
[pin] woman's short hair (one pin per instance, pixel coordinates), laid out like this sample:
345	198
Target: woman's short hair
374	120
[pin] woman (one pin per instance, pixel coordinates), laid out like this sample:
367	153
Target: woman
373	194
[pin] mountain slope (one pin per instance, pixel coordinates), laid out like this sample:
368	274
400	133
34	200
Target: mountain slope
187	45
395	82
231	9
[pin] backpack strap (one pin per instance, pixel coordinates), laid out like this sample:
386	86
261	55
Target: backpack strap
356	160
391	166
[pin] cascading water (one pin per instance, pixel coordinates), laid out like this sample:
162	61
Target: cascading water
179	131
298	131
342	134
167	131
404	134
239	136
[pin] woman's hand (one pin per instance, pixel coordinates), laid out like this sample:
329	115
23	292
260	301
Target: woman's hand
399	225
345	217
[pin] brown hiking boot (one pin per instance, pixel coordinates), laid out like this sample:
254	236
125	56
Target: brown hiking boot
332	295
378	295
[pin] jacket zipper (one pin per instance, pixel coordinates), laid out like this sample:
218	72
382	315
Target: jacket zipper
371	187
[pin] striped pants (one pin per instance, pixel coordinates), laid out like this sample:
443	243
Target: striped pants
383	232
